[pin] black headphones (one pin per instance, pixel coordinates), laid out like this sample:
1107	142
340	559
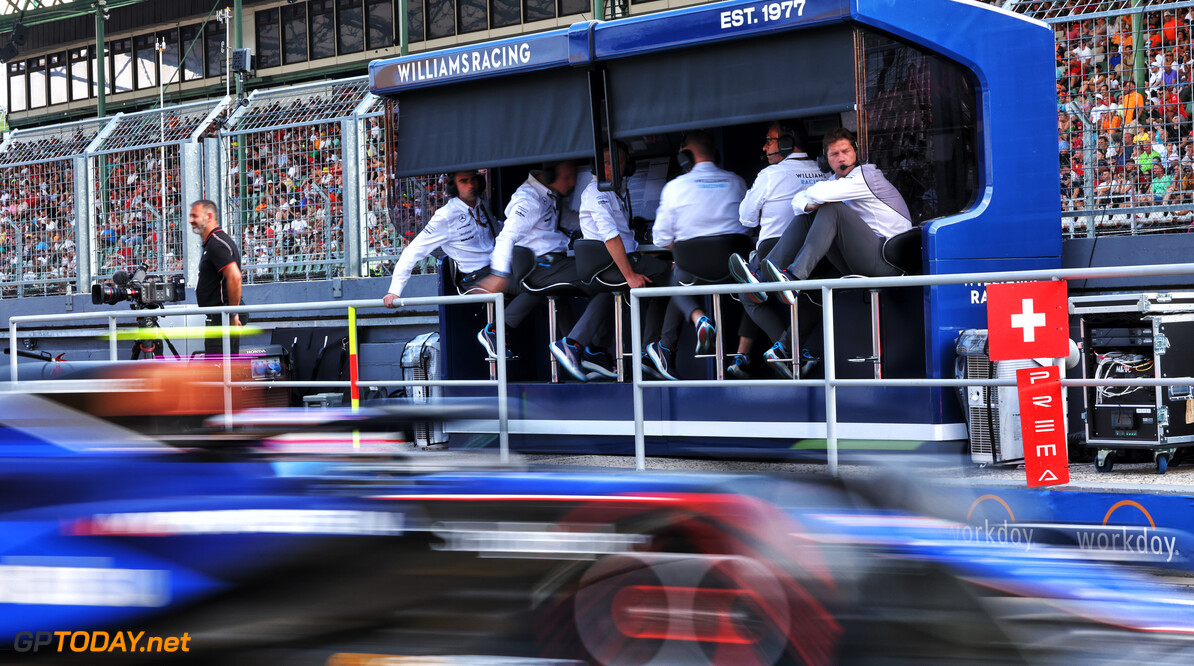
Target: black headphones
548	169
834	137
454	191
622	147
686	160
785	143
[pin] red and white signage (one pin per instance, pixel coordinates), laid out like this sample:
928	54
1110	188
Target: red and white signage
1027	320
1042	419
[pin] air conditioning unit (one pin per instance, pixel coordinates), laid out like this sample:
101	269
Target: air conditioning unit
992	412
420	362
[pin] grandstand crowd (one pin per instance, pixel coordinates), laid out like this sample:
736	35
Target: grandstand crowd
1123	108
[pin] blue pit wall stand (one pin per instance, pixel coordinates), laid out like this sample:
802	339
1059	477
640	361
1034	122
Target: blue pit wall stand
1013	224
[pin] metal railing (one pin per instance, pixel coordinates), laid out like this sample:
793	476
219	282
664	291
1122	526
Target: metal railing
498	382
830	382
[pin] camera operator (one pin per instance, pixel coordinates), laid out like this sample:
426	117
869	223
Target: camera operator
219	273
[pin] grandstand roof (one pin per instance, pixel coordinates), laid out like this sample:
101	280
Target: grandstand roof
34	12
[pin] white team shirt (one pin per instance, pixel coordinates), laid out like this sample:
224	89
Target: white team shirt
867	192
531	219
702	202
605	215
462	232
768	203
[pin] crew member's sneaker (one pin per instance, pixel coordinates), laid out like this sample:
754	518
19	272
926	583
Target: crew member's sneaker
780	360
738	367
649	371
741	272
706	334
661	357
774	273
568	354
598	364
808	363
487	336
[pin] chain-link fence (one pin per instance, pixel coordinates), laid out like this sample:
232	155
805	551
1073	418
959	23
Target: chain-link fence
287	179
1126	154
138	211
38	240
396	209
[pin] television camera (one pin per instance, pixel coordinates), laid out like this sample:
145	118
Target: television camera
144	292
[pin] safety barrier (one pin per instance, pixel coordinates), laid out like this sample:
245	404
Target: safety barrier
498	382
39	243
145	168
830	382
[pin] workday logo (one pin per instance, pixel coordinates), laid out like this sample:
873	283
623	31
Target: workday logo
1144	542
1001	531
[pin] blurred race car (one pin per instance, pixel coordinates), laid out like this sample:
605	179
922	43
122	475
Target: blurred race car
256	557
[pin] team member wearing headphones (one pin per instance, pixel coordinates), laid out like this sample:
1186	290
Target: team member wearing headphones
853	215
768	206
605	216
702	202
462	228
532	221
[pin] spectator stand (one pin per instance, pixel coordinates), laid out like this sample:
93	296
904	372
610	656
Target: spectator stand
39	243
287	205
393	212
1125	148
145	168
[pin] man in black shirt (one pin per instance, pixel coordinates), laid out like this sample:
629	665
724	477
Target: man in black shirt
219	272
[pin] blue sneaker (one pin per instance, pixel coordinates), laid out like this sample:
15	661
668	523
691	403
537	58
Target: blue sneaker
661	357
774	273
780	360
649	371
568	354
598	364
741	272
738	367
808	362
706	337
487	336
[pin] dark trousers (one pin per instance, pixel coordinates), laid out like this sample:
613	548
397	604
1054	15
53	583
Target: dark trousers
833	232
761	318
562	271
595	326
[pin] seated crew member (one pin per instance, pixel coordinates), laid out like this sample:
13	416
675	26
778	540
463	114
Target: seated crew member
532	221
853	214
605	216
768	206
702	202
462	228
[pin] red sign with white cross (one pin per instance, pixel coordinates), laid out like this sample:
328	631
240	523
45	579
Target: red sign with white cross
1027	320
1042	420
